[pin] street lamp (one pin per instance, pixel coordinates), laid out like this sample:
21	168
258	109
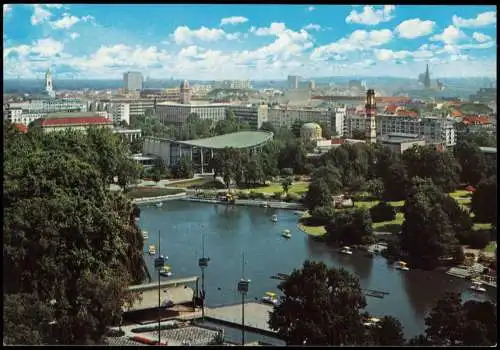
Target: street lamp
243	285
203	263
159	263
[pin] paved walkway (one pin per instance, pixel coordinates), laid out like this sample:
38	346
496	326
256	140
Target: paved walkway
256	314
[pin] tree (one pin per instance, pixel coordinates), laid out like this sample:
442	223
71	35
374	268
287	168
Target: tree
484	201
183	170
472	161
396	183
128	171
444	323
331	176
382	212
427	233
358	134
318	195
480	328
67	238
267	126
320	306
388	331
349	227
286	183
375	187
136	145
296	126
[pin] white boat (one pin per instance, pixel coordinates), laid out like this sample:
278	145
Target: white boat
159	205
145	234
476	287
401	265
372	321
166	271
346	250
270	298
152	249
287	234
274	218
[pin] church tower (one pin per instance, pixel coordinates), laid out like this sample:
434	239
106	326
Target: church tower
185	92
49	88
427	78
371	112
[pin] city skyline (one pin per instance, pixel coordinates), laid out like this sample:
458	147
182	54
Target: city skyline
213	42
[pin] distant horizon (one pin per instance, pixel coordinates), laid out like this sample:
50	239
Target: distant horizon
258	42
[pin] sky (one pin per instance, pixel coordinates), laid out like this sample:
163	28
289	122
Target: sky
216	42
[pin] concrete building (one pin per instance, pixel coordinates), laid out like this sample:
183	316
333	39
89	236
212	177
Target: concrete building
484	95
170	112
401	142
293	81
132	81
74	121
137	106
128	134
201	151
233	84
27	112
254	115
311	132
284	116
312	85
185	93
120	112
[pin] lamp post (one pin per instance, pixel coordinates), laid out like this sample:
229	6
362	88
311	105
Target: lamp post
243	285
159	263
203	263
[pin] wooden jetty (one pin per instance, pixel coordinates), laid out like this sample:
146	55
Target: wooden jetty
374	293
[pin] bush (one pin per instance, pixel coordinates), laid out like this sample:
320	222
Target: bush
322	215
292	197
286	172
382	212
277	195
297	178
243	195
253	195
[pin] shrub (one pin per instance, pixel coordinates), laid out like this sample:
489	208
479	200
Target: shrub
297	178
243	195
293	197
286	172
253	195
322	215
277	195
382	212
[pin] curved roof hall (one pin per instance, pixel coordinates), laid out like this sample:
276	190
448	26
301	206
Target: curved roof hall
241	139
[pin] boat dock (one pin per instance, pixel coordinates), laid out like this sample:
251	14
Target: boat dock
374	293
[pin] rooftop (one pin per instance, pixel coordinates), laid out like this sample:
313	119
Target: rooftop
241	139
488	149
192	103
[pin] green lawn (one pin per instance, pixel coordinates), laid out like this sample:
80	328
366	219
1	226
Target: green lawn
316	231
490	248
186	184
460	194
479	226
365	204
391	226
297	187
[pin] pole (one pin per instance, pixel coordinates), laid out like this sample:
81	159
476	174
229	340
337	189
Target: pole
203	293
159	293
243	319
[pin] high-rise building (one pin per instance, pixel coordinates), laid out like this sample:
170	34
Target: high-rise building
185	92
49	87
293	81
312	85
132	81
371	113
427	78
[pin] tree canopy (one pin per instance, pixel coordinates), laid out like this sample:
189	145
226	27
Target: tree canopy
67	238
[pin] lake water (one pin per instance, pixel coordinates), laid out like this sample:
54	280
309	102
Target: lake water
232	230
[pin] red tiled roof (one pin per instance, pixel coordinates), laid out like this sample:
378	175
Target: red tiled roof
404	113
393	99
76	121
475	120
391	108
337	141
21	127
455	113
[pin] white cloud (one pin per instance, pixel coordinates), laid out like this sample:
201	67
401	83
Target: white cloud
481	37
386	55
414	28
233	20
6	9
57	6
47	47
310	9
66	22
459	58
89	18
190	51
481	20
74	35
358	40
184	35
370	16
312	26
450	35
40	15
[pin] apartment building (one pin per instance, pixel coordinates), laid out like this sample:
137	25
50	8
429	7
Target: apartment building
170	112
283	116
254	115
120	112
233	84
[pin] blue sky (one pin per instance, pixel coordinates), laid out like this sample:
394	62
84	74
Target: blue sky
248	41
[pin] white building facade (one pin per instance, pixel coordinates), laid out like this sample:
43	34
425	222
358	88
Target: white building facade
177	113
132	81
120	112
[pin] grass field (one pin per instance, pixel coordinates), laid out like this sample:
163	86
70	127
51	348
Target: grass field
480	226
146	192
316	231
297	187
490	248
191	183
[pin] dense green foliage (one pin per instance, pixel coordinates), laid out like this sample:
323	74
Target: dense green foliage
452	322
349	227
382	212
484	201
66	237
324	306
